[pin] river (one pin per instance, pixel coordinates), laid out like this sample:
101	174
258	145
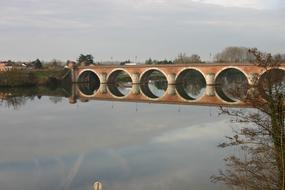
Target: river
48	142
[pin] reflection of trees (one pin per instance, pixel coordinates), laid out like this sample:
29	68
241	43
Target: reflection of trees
231	76
88	76
55	99
262	141
194	85
122	77
119	89
232	85
271	82
18	97
154	84
88	88
160	84
14	102
190	84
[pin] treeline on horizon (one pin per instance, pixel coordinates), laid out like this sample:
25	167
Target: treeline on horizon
228	55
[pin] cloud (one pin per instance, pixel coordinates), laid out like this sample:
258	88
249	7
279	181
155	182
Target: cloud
125	29
194	133
253	4
234	3
73	145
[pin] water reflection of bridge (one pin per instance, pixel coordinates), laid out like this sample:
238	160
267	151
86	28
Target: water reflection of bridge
171	96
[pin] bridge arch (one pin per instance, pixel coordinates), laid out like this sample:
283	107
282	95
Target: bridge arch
190	84
264	71
117	93
144	83
227	100
149	71
88	82
224	69
91	71
111	77
273	79
189	68
231	90
119	89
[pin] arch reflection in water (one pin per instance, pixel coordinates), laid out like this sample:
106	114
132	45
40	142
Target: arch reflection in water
119	83
232	85
88	83
153	84
190	84
272	82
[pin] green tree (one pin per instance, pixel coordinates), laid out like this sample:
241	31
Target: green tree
158	62
85	60
37	64
149	62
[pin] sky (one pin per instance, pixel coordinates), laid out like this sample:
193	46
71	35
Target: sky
137	29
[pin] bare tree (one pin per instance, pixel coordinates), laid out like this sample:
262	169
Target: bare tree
262	165
182	58
234	55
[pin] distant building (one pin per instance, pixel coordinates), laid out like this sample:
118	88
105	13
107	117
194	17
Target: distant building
131	63
5	66
8	66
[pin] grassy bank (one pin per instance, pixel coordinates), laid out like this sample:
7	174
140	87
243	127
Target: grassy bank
22	78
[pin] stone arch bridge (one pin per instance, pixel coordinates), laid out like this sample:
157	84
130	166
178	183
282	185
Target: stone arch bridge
107	74
138	73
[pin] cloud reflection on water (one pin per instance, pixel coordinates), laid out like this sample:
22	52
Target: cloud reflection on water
154	148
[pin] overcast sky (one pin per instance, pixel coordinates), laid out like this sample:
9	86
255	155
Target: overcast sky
124	29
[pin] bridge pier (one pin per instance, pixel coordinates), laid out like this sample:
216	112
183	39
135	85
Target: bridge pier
103	78
135	78
73	74
136	89
252	92
210	79
103	88
171	90
210	90
252	78
171	78
73	97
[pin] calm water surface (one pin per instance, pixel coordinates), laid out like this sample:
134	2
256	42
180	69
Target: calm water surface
47	143
129	146
70	138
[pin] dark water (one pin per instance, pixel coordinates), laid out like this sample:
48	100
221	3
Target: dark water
48	143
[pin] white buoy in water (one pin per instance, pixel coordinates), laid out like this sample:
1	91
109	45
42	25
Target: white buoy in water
97	185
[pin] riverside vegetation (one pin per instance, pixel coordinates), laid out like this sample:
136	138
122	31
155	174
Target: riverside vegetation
17	78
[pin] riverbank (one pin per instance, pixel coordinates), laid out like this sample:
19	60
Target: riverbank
25	78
